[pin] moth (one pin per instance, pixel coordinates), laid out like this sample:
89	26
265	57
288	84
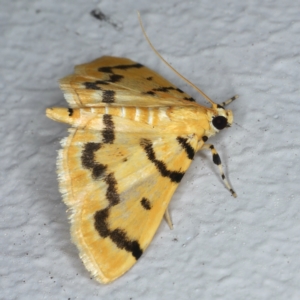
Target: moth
133	136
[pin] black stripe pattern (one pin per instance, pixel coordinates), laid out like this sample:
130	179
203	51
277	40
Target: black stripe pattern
108	96
101	217
108	131
88	160
165	89
96	85
119	67
101	221
174	176
186	146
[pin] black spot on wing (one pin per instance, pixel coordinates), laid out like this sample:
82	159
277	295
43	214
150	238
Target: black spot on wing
70	110
186	146
149	78
146	203
88	160
174	176
204	138
108	131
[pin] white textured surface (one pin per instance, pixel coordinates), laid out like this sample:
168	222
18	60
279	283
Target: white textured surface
220	248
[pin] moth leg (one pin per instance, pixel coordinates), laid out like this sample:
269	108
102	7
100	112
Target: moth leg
217	160
229	100
168	218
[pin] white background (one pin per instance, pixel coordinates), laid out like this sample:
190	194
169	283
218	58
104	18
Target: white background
221	247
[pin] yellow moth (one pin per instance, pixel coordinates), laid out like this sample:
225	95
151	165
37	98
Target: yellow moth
133	136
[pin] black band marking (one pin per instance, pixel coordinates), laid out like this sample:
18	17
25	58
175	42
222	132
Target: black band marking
216	159
189	99
89	162
108	131
126	67
160	165
223	176
115	78
120	67
111	192
186	146
150	93
70	110
108	96
167	88
94	85
146	203
118	236
105	69
101	225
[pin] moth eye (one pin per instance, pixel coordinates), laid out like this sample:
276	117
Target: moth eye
219	122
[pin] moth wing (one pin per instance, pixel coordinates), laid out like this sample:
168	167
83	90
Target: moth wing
116	81
118	193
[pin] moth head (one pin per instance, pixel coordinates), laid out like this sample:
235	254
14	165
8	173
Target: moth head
219	119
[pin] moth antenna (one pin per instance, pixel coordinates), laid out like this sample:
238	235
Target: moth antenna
229	100
176	72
